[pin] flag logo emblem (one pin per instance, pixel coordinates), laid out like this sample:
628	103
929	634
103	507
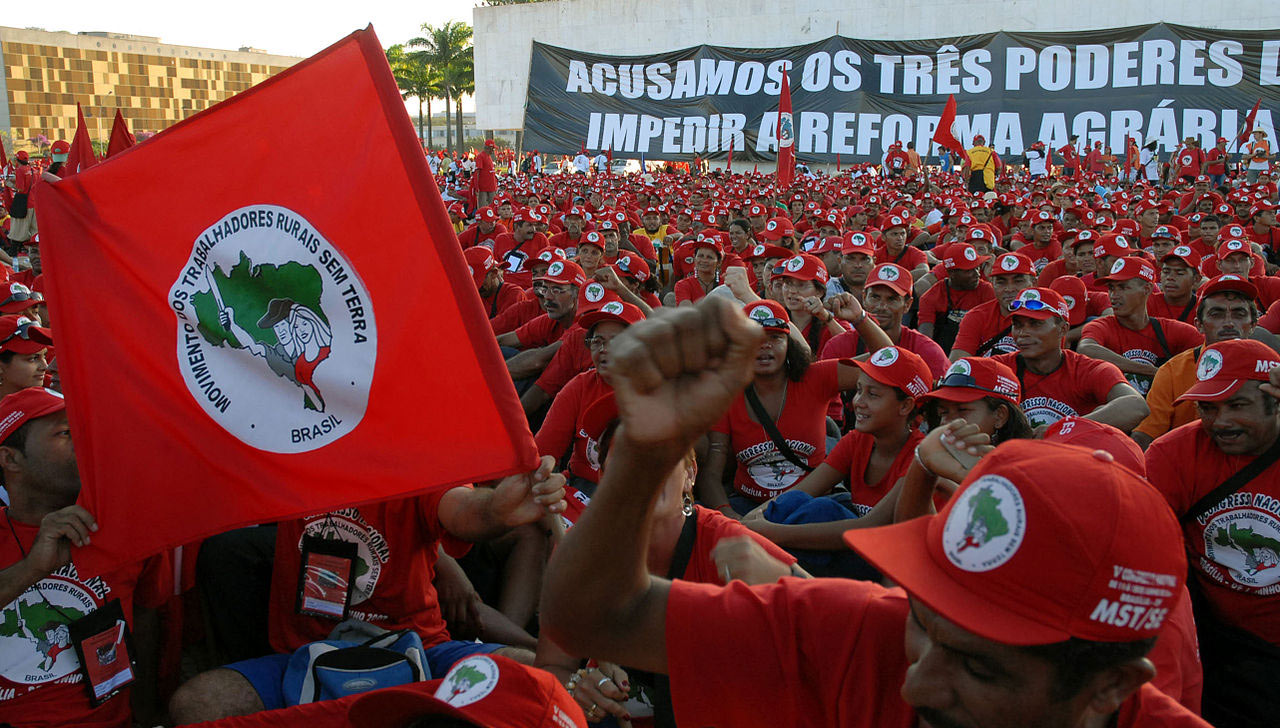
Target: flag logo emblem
276	332
786	131
986	525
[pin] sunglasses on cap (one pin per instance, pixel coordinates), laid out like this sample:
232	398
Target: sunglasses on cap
966	381
22	332
18	297
1033	304
771	323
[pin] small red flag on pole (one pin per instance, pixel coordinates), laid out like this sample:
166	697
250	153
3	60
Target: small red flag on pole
944	135
729	163
786	137
121	139
1248	123
81	156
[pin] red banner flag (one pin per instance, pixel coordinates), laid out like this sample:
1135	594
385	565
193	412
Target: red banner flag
944	135
786	136
1248	123
81	156
728	165
121	139
6	192
292	356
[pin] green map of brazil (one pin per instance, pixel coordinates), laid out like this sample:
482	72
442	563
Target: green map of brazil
34	622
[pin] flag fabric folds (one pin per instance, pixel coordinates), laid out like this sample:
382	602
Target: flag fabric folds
944	135
267	350
786	136
121	138
1247	129
81	156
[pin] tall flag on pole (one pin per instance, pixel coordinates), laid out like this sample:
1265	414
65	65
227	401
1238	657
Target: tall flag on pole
121	139
786	136
945	135
81	156
291	365
1247	129
728	166
6	192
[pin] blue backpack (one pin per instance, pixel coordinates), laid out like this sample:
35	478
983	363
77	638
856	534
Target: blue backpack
330	669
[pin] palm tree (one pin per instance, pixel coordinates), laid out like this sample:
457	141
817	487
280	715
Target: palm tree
448	49
416	78
464	84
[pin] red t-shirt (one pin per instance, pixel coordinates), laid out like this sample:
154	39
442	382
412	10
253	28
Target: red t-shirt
1215	161
1051	272
517	314
762	471
396	549
1160	308
980	324
689	289
541	331
1041	257
1142	345
910	258
1269	239
1235	547
562	427
851	455
933	304
714	527
472	236
846	345
643	246
514	257
571	359
1189	162
1077	387
798	671
1271	319
508	294
40	682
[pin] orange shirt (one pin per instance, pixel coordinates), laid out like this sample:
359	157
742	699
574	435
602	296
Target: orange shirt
1171	380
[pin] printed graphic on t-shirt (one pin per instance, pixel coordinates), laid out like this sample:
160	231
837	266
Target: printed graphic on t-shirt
769	470
1141	382
372	550
1242	543
35	641
1045	410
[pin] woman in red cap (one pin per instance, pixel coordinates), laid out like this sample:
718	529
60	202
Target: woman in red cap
23	344
706	271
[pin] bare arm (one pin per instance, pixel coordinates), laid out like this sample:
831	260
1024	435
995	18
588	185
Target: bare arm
1094	350
59	531
533	399
820	481
509	339
710	482
1125	408
478	514
531	362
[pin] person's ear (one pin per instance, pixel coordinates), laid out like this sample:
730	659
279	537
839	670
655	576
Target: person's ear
1109	689
12	459
1001	416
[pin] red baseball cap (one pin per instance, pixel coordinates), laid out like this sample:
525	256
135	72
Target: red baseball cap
980	232
1013	264
593	296
483	690
564	272
1224	368
894	221
963	256
21	407
858	243
1039	304
776	229
1075	296
487	214
1166	231
769	314
1228	282
1184	253
592	238
19	299
616	311
1235	246
61	146
1128	268
480	261
766	251
803	267
1015	555
897	367
891	275
1112	245
22	335
1098	436
829	244
972	378
633	266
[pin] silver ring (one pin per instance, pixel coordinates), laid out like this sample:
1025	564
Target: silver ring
592	710
728	577
603	680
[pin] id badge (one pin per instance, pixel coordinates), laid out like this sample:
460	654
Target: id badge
104	645
327	576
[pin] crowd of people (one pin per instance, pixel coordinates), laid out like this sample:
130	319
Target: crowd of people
992	445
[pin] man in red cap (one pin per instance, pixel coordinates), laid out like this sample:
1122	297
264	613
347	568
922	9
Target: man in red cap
945	304
1009	611
1179	279
1215	163
1221	478
495	293
538	340
514	250
894	248
42	587
886	299
23	226
985	329
484	231
1044	246
1226	310
1130	338
858	254
1058	382
484	179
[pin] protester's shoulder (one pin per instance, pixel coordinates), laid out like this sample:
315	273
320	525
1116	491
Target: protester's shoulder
1179	444
1151	708
804	603
1178	327
1099	327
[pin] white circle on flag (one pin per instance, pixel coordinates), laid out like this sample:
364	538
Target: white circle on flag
276	335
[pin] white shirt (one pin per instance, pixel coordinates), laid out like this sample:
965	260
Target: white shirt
1150	163
602	163
537	162
582	163
1036	162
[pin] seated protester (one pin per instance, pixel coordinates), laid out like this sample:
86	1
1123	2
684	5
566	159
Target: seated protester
1059	383
706	254
1236	257
830	250
789	395
975	598
44	587
23	345
763	258
533	344
562	430
635	273
1226	311
978	236
590	253
398	543
515	250
985	329
804	286
886	298
1106	251
574	226
685	541
894	249
1179	277
495	294
533	301
982	392
945	304
1227	531
1068	263
1130	338
1044	246
858	257
1082	305
484	231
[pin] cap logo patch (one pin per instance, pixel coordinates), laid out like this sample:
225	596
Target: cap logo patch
758	250
970	254
960	367
470	680
1121	241
771	226
858	239
1009	263
1117	267
1070	301
555	268
1230	277
1182	250
888	273
593	292
1209	366
795	264
885	357
1029	295
760	313
613	307
986	525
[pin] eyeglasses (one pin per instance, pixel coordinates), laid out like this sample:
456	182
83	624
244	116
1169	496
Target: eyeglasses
22	332
771	323
595	343
1033	304
559	290
966	381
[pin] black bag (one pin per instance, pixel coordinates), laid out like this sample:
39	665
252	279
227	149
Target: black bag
1240	668
19	207
771	429
944	329
990	344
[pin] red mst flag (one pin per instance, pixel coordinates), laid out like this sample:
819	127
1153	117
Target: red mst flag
944	135
81	156
728	165
121	139
274	353
786	137
1248	123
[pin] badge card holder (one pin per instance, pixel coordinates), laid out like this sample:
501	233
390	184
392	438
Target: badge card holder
327	577
104	645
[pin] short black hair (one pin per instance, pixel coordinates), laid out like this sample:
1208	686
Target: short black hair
797	360
18	438
1016	426
739	222
1076	661
6	357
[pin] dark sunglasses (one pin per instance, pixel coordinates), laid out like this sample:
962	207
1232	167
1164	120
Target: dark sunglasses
966	381
22	332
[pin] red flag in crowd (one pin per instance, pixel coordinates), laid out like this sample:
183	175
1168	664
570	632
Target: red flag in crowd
291	366
4	159
121	139
944	135
82	156
786	136
728	166
6	192
1248	123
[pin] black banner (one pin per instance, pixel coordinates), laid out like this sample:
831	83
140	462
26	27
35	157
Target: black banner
852	98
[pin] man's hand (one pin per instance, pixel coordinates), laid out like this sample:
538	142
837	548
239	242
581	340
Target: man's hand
951	451
1272	385
608	278
524	498
459	602
740	557
735	277
59	531
675	374
846	306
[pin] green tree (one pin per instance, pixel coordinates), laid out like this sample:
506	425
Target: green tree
448	50
416	78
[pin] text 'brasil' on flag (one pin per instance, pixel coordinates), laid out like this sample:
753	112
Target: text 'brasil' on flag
263	312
